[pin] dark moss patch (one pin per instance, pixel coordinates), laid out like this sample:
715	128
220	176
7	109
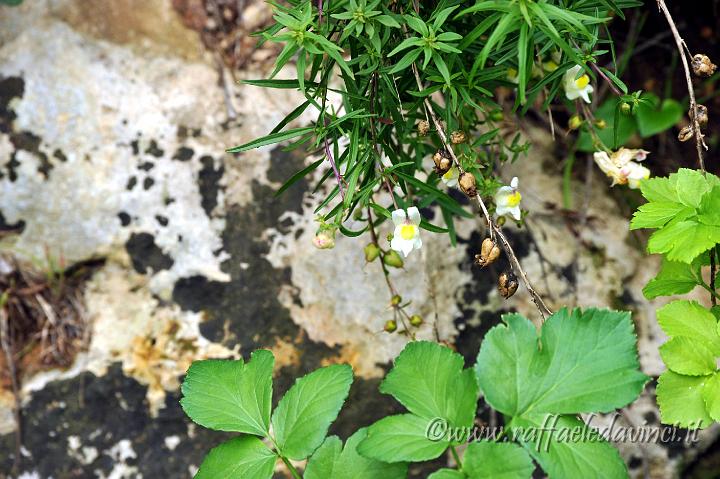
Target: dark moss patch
29	142
146	166
183	154
154	150
146	254
162	220
131	183
124	218
209	183
10	87
148	183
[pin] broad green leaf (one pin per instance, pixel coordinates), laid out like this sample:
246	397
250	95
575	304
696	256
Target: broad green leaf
303	416
709	211
447	474
692	357
657	214
654	116
681	400
684	241
271	139
401	438
322	463
352	465
691	320
229	395
573	450
429	380
691	186
244	457
587	362
674	278
711	396
497	460
660	189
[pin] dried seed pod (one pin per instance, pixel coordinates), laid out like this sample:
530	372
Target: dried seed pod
458	137
702	116
442	161
702	66
416	320
390	326
423	128
468	184
489	252
507	284
686	133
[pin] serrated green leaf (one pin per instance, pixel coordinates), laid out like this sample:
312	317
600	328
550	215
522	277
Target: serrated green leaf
687	356
428	379
302	417
711	396
351	465
322	463
660	189
587	363
243	457
562	455
691	320
230	396
684	241
691	185
447	474
709	211
657	214
497	460
680	399
401	438
674	278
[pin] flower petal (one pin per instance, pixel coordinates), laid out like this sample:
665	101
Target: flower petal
414	215
399	216
514	182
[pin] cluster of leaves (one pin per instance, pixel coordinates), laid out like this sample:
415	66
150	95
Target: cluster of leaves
684	209
11	2
582	362
460	53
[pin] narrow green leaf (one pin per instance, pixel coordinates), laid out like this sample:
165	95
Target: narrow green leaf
271	139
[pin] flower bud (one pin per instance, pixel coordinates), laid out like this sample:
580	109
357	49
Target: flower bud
501	220
371	252
458	137
468	184
507	284
625	108
489	252
416	320
390	326
324	239
575	122
395	300
686	133
497	115
702	66
392	258
442	161
600	124
423	127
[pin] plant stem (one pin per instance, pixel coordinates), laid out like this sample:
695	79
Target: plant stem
713	299
682	46
456	456
293	471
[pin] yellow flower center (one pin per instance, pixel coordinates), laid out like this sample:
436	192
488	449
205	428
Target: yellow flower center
582	82
514	199
450	174
408	231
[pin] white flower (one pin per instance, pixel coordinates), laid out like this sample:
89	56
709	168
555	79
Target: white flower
507	200
577	87
406	236
623	167
451	177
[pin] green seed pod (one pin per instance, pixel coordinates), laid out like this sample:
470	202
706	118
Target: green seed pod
416	320
575	122
395	300
626	108
390	326
393	259
371	252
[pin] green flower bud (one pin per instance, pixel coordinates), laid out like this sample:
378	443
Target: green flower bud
390	326
626	108
416	320
371	252
575	122
395	300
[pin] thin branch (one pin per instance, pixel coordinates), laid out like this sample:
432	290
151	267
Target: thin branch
5	342
493	228
682	48
713	272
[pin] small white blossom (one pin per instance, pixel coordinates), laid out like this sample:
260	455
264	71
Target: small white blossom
507	200
623	167
577	87
406	236
451	177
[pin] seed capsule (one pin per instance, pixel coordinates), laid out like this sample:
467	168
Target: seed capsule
575	122
395	300
625	108
442	161
393	259
423	128
600	124
489	252
416	320
702	66
371	252
468	184
686	133
507	284
390	326
458	137
702	116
